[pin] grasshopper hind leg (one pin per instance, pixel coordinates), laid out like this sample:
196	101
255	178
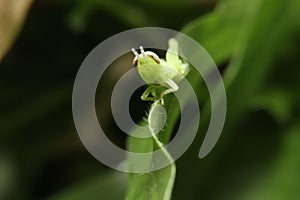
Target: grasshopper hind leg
173	88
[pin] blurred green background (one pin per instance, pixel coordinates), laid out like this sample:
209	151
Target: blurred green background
256	44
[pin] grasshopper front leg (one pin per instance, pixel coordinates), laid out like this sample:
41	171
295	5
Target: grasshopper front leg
145	95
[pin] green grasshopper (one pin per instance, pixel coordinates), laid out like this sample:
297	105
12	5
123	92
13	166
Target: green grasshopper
158	72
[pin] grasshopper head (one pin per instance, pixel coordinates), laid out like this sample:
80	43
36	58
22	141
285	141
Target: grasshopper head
144	57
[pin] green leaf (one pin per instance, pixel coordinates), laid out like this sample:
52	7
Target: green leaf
154	185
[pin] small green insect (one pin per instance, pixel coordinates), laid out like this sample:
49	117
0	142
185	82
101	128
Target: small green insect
158	72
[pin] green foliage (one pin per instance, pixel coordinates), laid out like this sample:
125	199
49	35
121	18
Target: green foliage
255	44
246	28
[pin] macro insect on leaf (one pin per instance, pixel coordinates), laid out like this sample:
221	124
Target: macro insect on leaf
158	72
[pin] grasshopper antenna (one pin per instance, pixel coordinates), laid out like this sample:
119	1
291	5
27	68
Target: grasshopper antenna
135	52
142	51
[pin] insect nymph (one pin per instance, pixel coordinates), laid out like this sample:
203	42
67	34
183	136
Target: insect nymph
158	72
